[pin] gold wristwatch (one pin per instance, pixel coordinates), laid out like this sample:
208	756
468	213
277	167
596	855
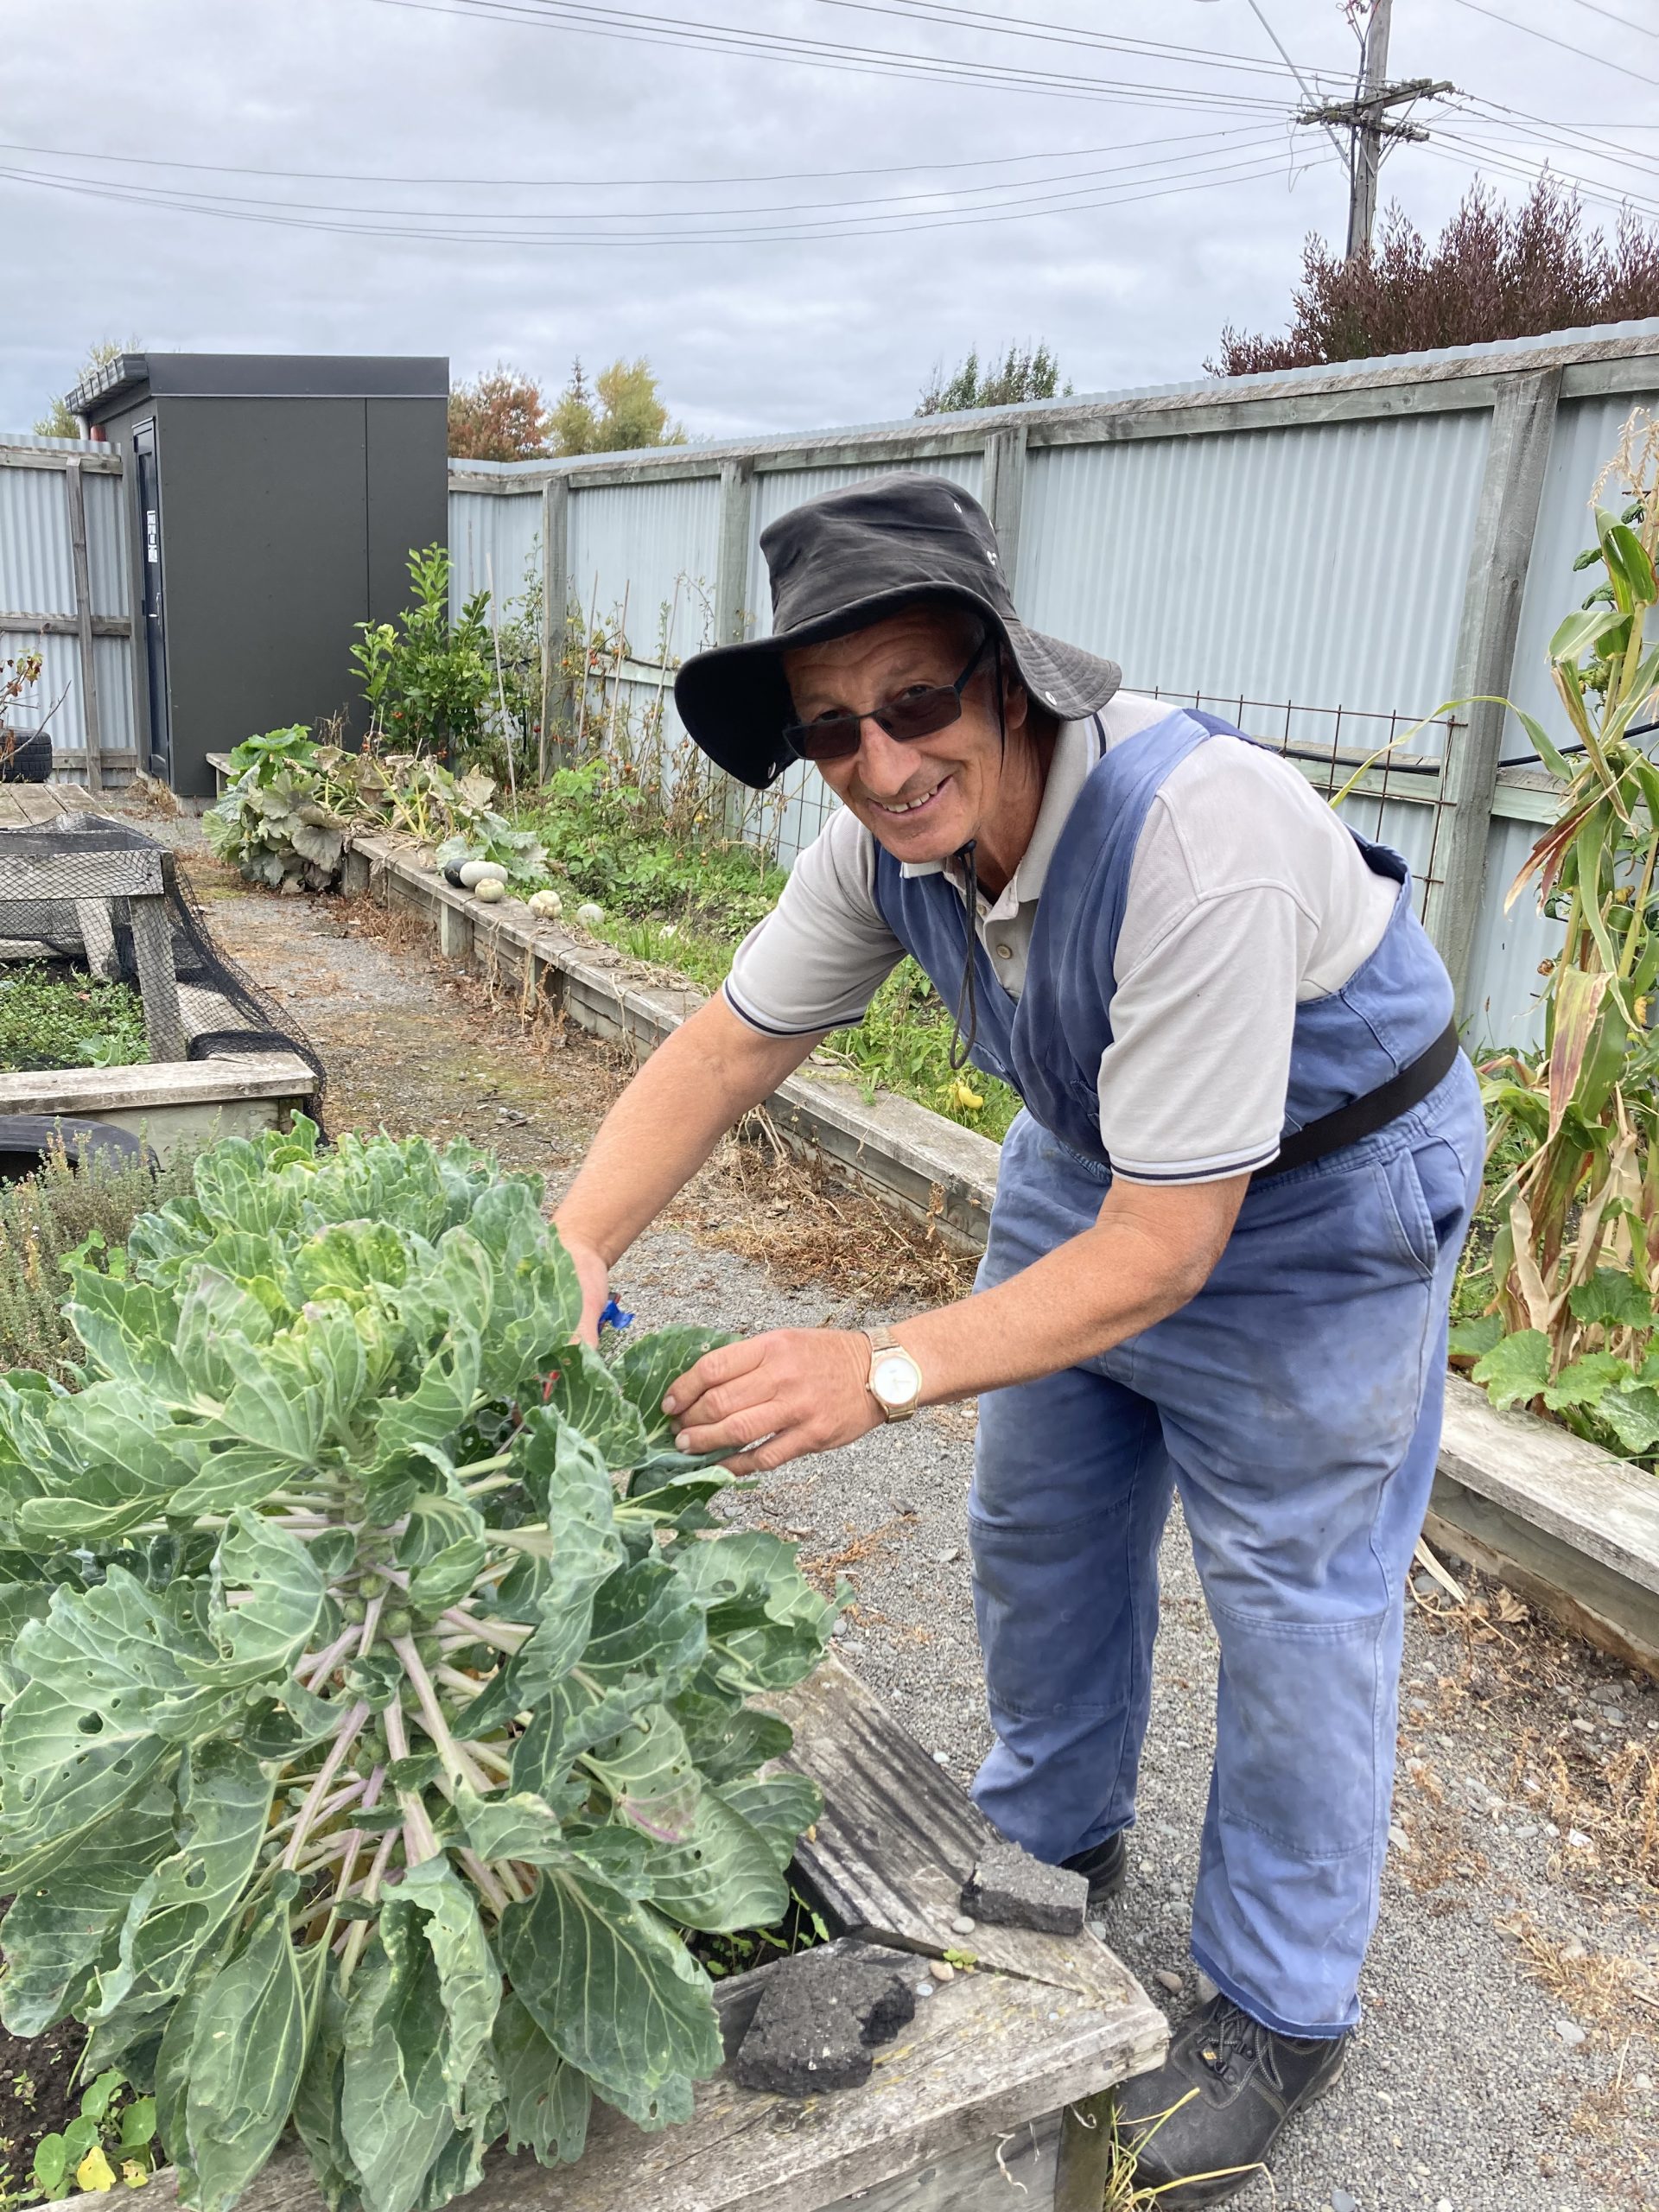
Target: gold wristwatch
895	1380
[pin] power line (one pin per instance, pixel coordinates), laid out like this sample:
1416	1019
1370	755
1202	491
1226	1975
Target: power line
576	183
1485	156
634	26
949	14
273	216
1623	21
1584	53
562	184
877	208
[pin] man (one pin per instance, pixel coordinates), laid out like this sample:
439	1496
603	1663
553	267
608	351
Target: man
1221	1254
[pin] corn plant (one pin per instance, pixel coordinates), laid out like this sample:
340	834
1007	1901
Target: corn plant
1573	1309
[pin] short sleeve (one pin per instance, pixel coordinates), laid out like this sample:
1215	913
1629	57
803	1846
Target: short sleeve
818	958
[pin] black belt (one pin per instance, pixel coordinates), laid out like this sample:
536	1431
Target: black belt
1364	1117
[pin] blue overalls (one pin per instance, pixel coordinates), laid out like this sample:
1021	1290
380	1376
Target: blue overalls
1295	1402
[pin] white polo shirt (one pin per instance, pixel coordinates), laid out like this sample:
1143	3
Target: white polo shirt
1247	896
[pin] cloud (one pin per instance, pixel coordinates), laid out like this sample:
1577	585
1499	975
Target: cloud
750	336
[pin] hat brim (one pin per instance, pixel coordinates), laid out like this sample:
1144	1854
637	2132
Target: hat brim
735	701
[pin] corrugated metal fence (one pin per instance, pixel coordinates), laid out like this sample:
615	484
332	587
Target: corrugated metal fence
65	584
1327	556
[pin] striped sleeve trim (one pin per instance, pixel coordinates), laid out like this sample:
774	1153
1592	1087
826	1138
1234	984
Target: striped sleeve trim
777	1029
1195	1171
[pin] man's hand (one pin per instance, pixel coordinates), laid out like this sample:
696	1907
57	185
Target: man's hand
594	1273
800	1389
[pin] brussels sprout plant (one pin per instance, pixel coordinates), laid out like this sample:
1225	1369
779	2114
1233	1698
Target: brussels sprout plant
375	1684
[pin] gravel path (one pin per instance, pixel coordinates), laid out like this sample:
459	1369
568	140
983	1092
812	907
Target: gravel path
1508	2056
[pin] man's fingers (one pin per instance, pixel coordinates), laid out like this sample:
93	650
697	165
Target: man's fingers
747	1426
724	1364
776	1451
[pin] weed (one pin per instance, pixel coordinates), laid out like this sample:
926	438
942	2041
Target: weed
43	1219
49	1020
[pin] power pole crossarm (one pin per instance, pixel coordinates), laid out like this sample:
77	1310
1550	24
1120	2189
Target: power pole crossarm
1366	118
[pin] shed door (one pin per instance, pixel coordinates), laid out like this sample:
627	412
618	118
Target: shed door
152	601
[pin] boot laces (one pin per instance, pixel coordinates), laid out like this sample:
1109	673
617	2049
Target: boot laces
1235	2040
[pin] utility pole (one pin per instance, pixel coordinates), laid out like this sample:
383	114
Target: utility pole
1366	117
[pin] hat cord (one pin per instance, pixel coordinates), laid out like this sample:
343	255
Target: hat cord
967	1013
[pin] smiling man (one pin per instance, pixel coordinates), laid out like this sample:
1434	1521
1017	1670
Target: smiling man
1220	1258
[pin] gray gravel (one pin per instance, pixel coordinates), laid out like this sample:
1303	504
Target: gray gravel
1460	2091
1470	2088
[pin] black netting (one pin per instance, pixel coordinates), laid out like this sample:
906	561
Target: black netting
56	924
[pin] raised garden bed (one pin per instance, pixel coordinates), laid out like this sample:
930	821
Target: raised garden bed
167	1098
998	2089
1569	1526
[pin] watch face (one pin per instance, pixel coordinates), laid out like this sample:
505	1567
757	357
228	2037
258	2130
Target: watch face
893	1379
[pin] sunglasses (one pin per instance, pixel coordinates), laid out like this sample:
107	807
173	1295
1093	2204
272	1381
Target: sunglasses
918	714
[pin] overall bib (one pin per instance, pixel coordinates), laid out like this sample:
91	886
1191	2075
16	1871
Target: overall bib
1295	1403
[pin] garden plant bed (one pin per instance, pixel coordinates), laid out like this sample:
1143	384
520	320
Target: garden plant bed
997	2087
1573	1527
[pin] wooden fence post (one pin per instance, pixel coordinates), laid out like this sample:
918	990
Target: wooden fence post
1004	492
556	598
1517	454
736	530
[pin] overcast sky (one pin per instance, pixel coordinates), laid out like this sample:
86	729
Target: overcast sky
389	107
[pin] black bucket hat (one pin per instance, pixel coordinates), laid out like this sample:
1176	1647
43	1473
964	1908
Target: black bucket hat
848	559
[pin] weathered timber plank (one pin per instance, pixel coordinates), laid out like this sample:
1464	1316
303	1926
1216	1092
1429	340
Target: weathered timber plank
98	1091
97	937
1560	1485
158	983
63	626
898	1839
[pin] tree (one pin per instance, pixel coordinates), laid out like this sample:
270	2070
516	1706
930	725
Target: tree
58	422
617	413
1496	272
499	416
1031	374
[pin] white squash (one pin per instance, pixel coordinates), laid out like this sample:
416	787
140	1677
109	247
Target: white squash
490	889
589	915
473	872
545	905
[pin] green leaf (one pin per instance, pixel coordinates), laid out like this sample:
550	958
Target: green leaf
547	2100
225	1800
99	2095
394	2103
246	2056
1585	1382
616	1992
1612	1299
1472	1339
782	1806
648	1365
55	1931
261	1639
1516	1368
727	1739
584	1393
1632	1414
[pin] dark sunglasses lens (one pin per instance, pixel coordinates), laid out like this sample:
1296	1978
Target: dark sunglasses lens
921	714
835	738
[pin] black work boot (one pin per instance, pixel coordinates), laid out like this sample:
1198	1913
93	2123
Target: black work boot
1107	1865
1207	2118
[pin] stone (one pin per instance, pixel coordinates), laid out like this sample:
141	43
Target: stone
819	2016
1570	2032
1398	1837
962	1925
941	1969
941	1758
951	1553
1166	1978
1010	1889
1577	1840
1342	2200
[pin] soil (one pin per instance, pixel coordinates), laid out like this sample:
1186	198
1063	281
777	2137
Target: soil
39	2095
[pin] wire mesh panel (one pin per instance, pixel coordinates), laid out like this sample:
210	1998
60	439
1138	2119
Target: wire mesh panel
1389	765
